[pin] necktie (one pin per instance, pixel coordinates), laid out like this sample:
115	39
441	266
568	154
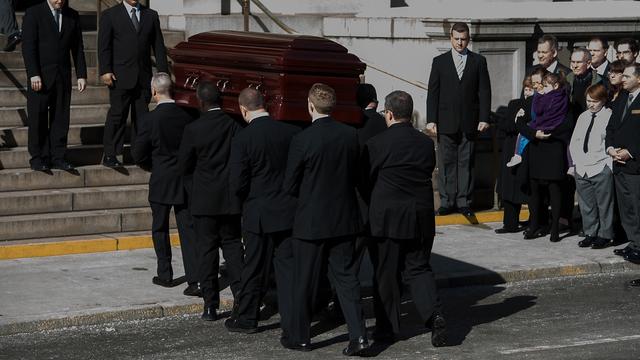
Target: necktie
585	146
626	108
460	66
134	19
57	18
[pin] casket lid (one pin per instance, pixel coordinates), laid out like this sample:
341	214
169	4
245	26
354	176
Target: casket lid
267	40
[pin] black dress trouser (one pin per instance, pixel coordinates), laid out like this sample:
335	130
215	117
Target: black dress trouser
123	100
511	218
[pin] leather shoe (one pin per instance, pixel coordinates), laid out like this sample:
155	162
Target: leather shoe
438	331
587	241
443	210
209	314
161	282
633	256
12	42
111	162
39	167
193	290
62	165
533	234
634	283
286	343
622	252
554	237
506	230
233	325
466	211
600	243
356	347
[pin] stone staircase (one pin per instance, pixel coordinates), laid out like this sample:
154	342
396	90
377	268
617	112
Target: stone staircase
37	206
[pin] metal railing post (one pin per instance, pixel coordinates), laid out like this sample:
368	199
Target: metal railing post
245	13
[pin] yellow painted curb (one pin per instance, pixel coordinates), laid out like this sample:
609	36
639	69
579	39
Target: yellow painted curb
481	217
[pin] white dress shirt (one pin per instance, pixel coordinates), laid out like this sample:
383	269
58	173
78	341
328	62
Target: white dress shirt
593	161
552	68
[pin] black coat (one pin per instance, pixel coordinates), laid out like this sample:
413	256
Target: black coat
47	52
204	152
126	53
625	133
258	162
560	68
512	181
322	173
374	124
156	147
401	163
457	105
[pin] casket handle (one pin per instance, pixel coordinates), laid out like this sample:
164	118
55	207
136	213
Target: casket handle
224	84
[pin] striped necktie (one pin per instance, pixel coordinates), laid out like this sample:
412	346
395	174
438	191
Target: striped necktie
626	108
460	66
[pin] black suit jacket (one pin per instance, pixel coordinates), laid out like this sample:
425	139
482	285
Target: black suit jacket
156	148
258	162
625	133
47	52
126	53
457	105
322	173
374	124
401	163
204	152
560	68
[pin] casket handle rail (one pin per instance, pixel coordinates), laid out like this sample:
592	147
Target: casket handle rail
224	82
192	80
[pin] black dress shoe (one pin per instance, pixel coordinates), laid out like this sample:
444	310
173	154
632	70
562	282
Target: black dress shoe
162	282
438	331
506	230
234	326
209	314
288	344
39	167
587	241
356	347
466	211
634	283
443	210
554	236
62	165
600	243
633	256
193	290
12	42
111	162
533	234
622	252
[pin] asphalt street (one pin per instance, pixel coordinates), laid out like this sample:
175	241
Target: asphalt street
585	317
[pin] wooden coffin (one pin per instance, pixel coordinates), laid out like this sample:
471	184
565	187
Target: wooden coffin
283	67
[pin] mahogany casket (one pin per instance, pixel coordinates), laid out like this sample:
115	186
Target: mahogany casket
282	67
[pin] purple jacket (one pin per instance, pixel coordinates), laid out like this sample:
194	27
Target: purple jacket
550	109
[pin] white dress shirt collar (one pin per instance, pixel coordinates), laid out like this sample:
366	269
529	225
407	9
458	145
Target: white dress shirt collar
166	101
129	7
600	69
635	94
255	115
552	68
318	116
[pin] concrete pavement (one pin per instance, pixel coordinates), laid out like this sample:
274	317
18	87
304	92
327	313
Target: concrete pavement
53	292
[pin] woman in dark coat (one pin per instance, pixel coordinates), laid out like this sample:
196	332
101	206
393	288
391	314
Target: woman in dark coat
513	181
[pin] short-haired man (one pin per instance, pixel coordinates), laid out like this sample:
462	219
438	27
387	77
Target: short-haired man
204	152
581	77
627	50
458	108
401	163
622	145
598	47
257	165
547	52
322	172
156	148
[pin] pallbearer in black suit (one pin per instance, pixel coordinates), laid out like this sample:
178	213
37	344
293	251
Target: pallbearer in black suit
156	148
322	172
51	35
401	163
458	108
258	162
204	152
128	32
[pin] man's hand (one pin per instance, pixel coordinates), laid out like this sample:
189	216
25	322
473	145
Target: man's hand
623	155
540	135
432	129
483	126
36	83
108	79
82	84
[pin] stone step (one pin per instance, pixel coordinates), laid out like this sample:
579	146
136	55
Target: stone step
17	77
14	59
73	199
77	135
75	223
78	155
10	96
16	116
86	176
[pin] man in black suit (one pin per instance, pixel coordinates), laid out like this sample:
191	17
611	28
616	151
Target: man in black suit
458	108
258	162
127	34
598	47
9	25
51	35
204	152
622	145
401	163
322	173
156	148
547	52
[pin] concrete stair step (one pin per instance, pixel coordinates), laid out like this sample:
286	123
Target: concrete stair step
72	199
77	135
75	223
17	77
14	59
10	96
16	116
78	155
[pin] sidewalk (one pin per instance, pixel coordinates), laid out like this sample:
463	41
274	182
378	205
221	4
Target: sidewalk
52	292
